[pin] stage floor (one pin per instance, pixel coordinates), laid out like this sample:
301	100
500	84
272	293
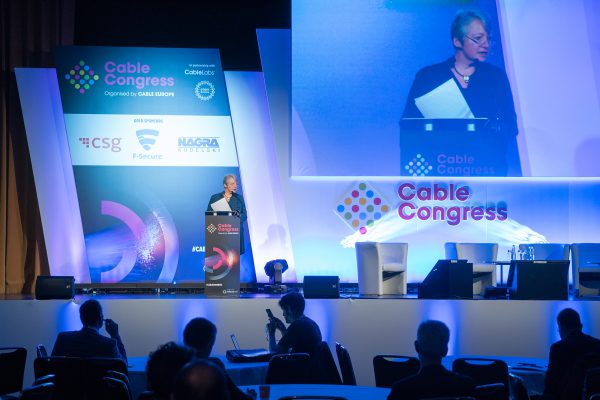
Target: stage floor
367	326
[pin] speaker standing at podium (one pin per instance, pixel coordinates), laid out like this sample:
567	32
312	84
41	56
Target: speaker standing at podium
235	202
485	87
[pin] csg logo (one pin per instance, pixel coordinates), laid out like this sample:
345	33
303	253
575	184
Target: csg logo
102	143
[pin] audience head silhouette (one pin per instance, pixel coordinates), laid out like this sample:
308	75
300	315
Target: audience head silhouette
201	380
163	365
568	321
200	334
432	341
90	314
292	305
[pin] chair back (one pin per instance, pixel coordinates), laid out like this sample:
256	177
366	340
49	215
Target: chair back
325	364
115	389
547	251
77	378
585	256
476	253
591	383
312	397
518	390
289	368
41	351
391	368
12	369
485	371
343	356
42	391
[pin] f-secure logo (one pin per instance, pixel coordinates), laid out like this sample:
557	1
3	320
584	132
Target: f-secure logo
82	77
147	137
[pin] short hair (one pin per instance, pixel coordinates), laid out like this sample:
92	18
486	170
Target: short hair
163	365
201	380
227	177
462	19
569	319
433	337
200	333
293	301
90	312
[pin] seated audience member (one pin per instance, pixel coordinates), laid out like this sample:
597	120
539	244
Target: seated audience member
561	381
432	380
201	380
163	365
200	334
88	342
302	336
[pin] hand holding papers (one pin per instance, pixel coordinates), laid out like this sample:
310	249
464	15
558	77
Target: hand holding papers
220	205
445	101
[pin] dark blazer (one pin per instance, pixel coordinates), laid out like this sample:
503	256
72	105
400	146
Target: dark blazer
88	342
564	357
236	203
432	381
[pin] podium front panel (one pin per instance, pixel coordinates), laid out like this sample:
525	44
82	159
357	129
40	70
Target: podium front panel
222	257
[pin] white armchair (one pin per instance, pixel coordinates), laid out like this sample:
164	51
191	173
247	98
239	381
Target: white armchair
586	271
381	268
480	254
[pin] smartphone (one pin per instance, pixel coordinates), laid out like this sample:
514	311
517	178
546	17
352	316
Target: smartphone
269	313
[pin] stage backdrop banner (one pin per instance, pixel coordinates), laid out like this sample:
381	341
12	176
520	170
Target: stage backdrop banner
150	138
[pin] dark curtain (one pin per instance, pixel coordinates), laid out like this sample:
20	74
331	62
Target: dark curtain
29	31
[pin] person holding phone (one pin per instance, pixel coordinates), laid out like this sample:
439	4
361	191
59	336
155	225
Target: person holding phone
301	336
89	342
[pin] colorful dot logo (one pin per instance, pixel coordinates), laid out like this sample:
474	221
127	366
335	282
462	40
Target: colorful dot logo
418	166
211	228
362	207
82	77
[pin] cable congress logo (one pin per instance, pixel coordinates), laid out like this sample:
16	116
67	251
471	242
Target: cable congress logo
82	77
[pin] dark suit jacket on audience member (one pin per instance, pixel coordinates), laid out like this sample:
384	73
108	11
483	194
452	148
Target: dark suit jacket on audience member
564	356
432	381
88	342
235	393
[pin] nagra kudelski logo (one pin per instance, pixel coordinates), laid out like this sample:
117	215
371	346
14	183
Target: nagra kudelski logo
82	77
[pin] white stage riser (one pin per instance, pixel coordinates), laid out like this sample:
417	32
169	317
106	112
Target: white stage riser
367	327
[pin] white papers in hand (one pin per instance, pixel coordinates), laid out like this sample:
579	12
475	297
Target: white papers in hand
445	101
220	205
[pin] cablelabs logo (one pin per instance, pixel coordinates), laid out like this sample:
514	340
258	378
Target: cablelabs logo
450	203
82	77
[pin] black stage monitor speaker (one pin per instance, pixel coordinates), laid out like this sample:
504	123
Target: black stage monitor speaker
54	287
540	280
321	287
449	279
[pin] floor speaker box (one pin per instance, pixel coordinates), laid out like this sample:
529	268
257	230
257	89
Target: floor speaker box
54	287
321	287
540	280
449	279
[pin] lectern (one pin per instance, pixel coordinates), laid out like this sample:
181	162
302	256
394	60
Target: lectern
222	254
452	147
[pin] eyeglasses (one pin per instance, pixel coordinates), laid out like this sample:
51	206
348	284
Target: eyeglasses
479	40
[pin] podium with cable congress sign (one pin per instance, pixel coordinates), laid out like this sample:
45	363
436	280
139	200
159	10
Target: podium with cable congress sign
222	260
